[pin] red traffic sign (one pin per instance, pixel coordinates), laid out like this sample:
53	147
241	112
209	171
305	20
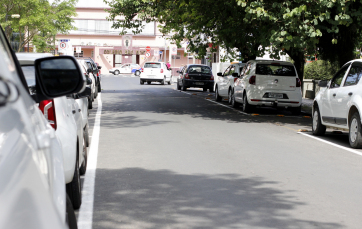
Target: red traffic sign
148	48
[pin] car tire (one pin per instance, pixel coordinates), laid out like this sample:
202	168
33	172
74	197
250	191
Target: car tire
355	135
246	106
74	188
229	96
317	127
204	89
137	73
178	86
99	88
169	82
86	135
141	82
296	110
183	87
90	103
83	167
70	217
163	81
234	104
217	96
96	93
116	72
149	82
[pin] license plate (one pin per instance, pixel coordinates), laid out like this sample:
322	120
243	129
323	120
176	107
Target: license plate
275	95
199	83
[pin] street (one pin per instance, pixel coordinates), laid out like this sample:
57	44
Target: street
168	159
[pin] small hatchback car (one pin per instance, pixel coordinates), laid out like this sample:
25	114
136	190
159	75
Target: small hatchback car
156	72
338	104
195	75
268	83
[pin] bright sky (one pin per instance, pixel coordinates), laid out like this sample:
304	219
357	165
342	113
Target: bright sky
91	3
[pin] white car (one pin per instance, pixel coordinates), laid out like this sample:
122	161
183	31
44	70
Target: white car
89	73
225	83
269	83
156	72
127	69
338	104
64	115
32	191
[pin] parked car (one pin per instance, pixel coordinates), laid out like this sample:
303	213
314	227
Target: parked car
64	115
86	70
156	72
127	69
268	83
32	191
195	75
95	69
338	104
225	84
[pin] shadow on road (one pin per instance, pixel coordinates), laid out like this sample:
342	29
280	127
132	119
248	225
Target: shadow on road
139	198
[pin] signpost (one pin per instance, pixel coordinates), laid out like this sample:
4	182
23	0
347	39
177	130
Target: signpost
148	49
148	54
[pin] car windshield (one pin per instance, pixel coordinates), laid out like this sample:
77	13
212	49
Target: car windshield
152	65
29	73
275	69
199	69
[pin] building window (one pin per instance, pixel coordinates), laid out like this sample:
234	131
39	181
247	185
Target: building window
78	54
178	56
92	54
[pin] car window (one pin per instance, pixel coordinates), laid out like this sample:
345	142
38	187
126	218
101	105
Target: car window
29	73
199	69
354	74
337	79
275	69
232	70
247	69
226	72
152	65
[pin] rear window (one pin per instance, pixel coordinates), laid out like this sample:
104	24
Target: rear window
29	73
199	69
276	70
152	65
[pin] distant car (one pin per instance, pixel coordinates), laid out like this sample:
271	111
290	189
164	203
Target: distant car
96	72
89	73
127	69
225	84
32	190
269	83
156	72
338	104
195	75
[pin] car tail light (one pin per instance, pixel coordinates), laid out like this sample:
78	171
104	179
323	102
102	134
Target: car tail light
212	77
48	109
161	70
235	79
298	84
187	76
252	80
141	69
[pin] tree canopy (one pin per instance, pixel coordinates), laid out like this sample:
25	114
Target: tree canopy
39	21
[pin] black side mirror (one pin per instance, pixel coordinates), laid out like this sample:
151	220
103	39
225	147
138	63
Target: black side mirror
235	74
323	83
89	70
89	81
58	76
219	74
99	67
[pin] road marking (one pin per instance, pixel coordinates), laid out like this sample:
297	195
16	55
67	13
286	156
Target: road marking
85	218
333	144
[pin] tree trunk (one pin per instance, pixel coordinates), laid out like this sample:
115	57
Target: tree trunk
299	61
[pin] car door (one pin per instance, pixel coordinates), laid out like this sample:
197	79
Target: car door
239	84
328	98
223	81
345	93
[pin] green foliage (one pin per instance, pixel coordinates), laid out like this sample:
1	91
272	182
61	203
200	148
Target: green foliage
320	70
39	21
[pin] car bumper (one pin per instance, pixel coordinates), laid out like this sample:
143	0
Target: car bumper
290	99
152	77
199	83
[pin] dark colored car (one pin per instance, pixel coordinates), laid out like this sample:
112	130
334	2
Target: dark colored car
195	75
95	69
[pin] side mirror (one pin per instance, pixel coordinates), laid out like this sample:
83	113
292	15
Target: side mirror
99	67
89	70
86	93
323	83
235	74
58	76
219	74
89	81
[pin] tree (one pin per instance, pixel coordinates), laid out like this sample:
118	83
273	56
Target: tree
39	21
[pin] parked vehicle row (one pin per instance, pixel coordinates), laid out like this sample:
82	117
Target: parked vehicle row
43	137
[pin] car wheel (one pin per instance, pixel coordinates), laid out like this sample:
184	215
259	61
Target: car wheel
149	82
169	82
163	81
229	96
116	72
90	103
137	73
217	96
355	136
234	104
74	188
96	93
70	218
318	128
296	110
92	97
246	106
141	82
83	167
86	134
99	88
183	87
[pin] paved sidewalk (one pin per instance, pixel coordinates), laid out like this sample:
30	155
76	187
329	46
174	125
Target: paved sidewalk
307	106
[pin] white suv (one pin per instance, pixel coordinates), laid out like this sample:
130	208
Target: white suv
155	72
268	83
338	104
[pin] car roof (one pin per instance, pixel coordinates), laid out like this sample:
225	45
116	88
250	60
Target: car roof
189	65
29	58
270	61
154	62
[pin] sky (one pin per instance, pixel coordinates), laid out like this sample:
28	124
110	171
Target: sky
91	3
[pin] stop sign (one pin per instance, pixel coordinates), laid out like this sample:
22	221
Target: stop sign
148	48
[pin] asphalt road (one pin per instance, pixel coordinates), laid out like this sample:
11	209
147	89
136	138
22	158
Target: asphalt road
169	159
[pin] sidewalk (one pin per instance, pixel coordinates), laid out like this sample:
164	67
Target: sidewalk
307	106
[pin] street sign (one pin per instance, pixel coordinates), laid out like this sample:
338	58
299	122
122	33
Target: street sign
173	49
162	52
148	54
78	49
148	49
